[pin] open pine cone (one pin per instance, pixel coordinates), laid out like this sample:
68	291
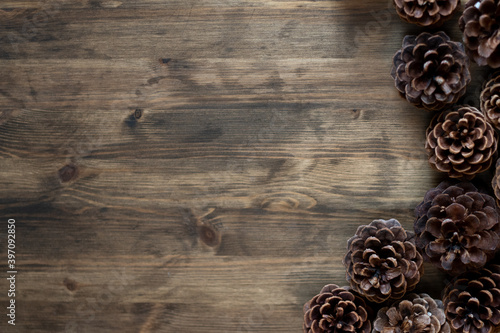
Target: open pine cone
414	314
336	309
461	142
480	26
490	100
472	301
426	12
431	71
457	227
382	261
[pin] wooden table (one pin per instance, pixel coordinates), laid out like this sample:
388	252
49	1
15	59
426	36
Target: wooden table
198	165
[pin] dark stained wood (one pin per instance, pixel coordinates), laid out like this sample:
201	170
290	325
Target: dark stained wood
198	165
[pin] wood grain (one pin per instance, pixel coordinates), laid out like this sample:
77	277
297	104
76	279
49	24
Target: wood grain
198	165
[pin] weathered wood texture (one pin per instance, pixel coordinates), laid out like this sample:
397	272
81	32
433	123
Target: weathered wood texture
198	165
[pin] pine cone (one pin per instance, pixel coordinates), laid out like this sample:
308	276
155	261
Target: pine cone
472	302
382	261
490	100
414	314
495	182
426	13
338	310
431	71
479	24
461	142
457	227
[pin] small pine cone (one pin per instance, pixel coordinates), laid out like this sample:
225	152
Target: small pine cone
415	314
481	35
382	261
472	301
495	182
461	142
426	13
490	100
457	227
431	71
336	309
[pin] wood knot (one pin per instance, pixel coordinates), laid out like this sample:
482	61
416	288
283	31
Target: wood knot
70	284
209	235
131	120
205	226
68	172
285	201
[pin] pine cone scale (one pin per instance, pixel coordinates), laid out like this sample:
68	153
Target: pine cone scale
420	83
413	95
414	69
435	225
472	28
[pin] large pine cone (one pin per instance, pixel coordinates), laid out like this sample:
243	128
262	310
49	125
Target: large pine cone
472	302
431	71
479	24
414	314
338	310
426	13
461	142
382	261
457	227
490	100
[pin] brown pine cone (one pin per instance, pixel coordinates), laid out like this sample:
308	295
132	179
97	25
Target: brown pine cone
431	71
461	142
457	227
490	100
382	261
495	182
414	314
336	309
472	301
426	13
479	24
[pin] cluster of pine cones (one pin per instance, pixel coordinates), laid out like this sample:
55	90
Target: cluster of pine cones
457	225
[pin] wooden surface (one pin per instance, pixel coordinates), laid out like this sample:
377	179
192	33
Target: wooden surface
198	165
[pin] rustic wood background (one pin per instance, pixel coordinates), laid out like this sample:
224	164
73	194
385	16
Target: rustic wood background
198	165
